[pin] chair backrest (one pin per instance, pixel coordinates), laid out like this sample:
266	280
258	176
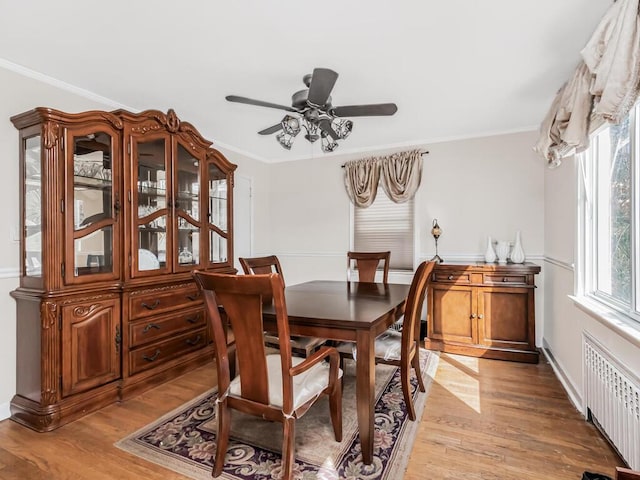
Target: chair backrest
367	264
258	265
414	303
242	297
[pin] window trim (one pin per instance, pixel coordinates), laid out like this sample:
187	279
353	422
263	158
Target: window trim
605	308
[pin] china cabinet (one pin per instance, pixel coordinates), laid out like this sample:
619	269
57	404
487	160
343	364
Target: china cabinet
117	210
483	310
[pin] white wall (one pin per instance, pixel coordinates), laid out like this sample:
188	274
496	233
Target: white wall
564	322
300	211
475	187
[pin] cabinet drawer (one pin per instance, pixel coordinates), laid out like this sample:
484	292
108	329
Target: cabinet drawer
459	278
153	355
495	279
150	329
145	303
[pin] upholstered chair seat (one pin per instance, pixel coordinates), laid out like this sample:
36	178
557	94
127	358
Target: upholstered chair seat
306	385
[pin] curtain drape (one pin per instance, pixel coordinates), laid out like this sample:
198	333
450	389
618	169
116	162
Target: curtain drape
565	129
401	174
604	86
361	181
613	56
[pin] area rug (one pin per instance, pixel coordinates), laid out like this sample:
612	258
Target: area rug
184	439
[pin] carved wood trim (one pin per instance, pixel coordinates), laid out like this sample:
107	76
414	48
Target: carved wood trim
163	288
50	374
173	122
104	296
50	134
215	156
84	310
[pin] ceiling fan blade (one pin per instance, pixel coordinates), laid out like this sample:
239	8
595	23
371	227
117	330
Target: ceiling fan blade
259	103
376	109
270	130
322	82
325	126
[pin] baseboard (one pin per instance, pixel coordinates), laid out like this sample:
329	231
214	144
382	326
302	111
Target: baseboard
572	393
5	411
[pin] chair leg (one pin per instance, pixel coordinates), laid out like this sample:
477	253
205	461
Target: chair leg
405	375
335	406
222	437
415	361
288	447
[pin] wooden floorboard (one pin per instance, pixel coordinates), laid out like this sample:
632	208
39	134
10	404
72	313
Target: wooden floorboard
483	420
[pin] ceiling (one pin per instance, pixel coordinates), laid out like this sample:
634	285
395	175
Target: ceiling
455	68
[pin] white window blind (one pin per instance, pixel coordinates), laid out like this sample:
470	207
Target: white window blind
383	226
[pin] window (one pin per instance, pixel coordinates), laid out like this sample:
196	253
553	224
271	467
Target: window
383	226
611	243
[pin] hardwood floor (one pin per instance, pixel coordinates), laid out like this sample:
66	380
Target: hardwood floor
484	419
492	419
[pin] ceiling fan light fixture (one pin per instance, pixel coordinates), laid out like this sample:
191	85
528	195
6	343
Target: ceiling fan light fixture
342	127
328	145
291	125
312	109
285	140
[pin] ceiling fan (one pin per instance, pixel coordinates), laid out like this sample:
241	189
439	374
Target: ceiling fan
311	108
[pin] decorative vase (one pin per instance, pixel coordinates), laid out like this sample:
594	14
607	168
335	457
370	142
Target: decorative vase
517	254
502	251
490	254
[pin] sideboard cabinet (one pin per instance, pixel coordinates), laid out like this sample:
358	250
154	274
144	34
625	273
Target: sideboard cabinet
117	209
483	310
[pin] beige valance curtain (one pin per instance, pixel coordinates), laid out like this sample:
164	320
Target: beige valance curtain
566	127
603	87
400	174
361	181
613	56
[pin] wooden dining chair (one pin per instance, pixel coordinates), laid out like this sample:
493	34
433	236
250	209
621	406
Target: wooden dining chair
303	346
367	264
402	348
268	264
276	386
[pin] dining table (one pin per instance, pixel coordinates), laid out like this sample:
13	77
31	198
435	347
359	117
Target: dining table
353	311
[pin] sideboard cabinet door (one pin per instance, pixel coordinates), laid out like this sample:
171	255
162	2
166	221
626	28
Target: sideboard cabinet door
91	339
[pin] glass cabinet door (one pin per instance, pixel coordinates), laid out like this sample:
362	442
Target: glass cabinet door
32	221
187	208
151	200
93	205
218	186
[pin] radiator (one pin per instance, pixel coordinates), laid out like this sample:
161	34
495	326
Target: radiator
612	396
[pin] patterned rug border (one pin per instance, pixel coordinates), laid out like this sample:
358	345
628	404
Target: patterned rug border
396	464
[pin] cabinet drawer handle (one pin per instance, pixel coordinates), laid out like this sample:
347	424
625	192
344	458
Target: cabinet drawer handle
152	306
152	357
473	315
193	297
450	277
481	316
150	326
192	319
194	341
